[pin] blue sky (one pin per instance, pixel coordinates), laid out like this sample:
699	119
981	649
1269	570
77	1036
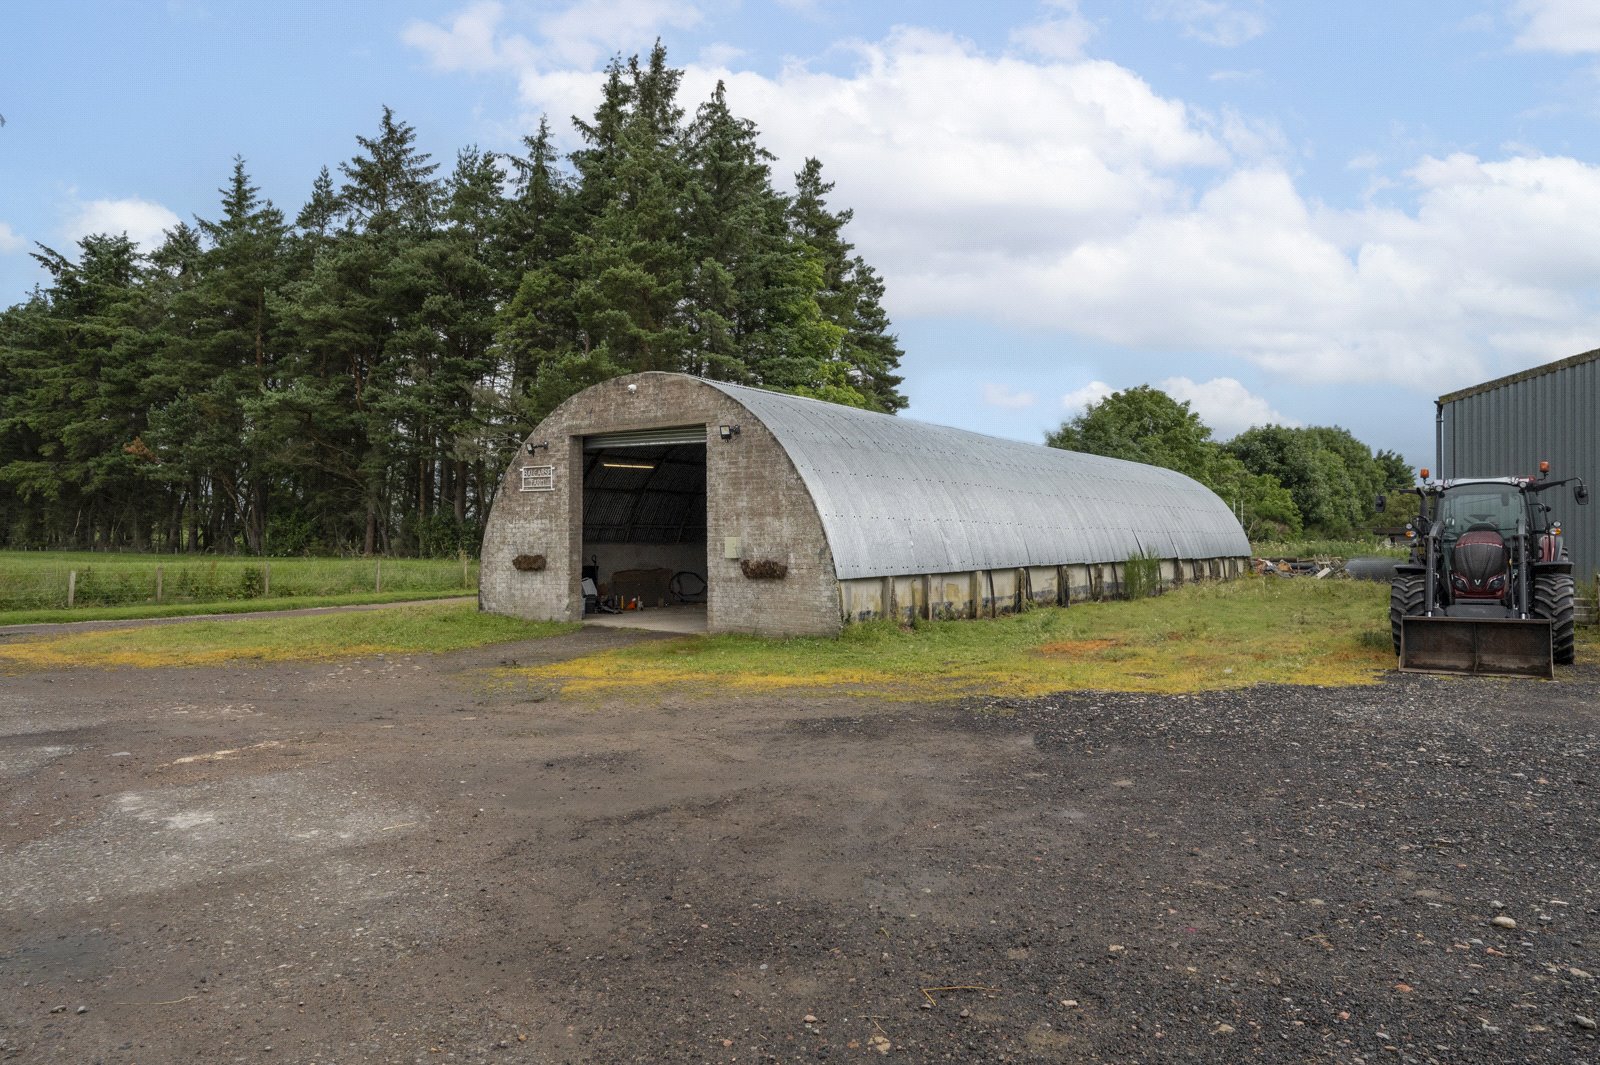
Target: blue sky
1309	213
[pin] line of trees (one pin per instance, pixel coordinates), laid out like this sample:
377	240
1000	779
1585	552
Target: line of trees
1286	482
354	379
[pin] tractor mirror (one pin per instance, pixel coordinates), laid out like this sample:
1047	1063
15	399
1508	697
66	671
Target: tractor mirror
1580	494
1381	503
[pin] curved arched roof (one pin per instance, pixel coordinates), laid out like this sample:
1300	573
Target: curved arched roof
899	496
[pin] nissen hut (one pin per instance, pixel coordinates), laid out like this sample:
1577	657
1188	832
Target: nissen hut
777	514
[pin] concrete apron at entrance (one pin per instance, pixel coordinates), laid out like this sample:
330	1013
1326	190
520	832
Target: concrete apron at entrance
687	619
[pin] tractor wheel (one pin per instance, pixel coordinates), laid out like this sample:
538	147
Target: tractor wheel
1407	593
1552	598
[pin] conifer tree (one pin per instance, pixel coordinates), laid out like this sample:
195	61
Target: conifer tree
850	296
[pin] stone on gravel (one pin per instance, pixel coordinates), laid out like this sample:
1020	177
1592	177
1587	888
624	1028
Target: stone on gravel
1502	921
1583	1022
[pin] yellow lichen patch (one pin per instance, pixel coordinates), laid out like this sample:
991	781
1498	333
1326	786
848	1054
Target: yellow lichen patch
77	652
1076	647
396	630
1194	639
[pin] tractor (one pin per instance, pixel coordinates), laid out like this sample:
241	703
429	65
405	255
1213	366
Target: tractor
1488	587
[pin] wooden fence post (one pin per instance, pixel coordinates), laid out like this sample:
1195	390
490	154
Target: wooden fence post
158	584
72	587
377	581
266	580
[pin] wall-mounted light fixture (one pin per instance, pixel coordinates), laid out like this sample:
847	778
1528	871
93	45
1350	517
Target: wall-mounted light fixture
629	465
727	432
535	445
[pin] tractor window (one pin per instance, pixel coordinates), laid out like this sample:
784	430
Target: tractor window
1463	508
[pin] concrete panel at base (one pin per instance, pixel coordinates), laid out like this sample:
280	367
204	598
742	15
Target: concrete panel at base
1005	586
950	595
1044	585
910	598
863	599
996	593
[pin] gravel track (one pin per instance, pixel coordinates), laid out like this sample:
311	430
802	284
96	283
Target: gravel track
418	860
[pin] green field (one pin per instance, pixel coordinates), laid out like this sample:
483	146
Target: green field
34	582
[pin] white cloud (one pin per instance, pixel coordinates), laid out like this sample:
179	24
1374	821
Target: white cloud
1224	404
144	222
1061	35
1225	24
9	240
1570	27
472	41
1083	398
720	55
1007	398
1068	195
580	34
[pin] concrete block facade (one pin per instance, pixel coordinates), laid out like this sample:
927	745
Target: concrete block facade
754	497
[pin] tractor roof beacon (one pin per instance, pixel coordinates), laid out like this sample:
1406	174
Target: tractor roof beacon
1488	587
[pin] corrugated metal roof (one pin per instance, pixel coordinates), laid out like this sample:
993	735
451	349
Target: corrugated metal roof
1522	375
899	496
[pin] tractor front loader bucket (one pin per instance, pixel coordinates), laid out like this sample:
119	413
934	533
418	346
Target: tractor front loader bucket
1493	646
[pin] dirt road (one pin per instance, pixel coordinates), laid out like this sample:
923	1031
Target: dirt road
413	860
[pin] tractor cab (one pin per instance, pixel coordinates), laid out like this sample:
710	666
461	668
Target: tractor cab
1488	588
1482	528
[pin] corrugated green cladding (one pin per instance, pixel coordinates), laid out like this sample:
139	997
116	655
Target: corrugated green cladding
899	496
1506	426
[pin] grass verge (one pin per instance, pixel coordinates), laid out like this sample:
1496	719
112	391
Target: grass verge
226	606
39	580
431	628
1197	638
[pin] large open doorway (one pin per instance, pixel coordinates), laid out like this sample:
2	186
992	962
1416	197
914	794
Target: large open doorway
644	528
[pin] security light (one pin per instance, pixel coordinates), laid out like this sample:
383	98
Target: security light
727	432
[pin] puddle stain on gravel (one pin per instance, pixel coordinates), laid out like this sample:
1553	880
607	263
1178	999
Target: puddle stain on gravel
152	841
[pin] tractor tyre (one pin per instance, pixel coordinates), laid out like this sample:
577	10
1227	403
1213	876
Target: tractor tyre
1407	594
1553	595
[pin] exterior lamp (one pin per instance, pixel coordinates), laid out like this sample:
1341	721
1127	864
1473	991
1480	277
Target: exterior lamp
727	432
536	445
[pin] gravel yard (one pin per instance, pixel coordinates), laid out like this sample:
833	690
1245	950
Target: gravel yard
411	860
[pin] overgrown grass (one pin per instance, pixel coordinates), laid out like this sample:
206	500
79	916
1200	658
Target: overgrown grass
232	606
430	628
38	580
1199	637
1325	549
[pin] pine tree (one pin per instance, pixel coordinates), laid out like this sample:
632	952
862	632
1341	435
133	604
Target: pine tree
537	329
628	266
850	297
79	363
223	352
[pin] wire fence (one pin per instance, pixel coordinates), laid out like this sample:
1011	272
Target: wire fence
46	583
